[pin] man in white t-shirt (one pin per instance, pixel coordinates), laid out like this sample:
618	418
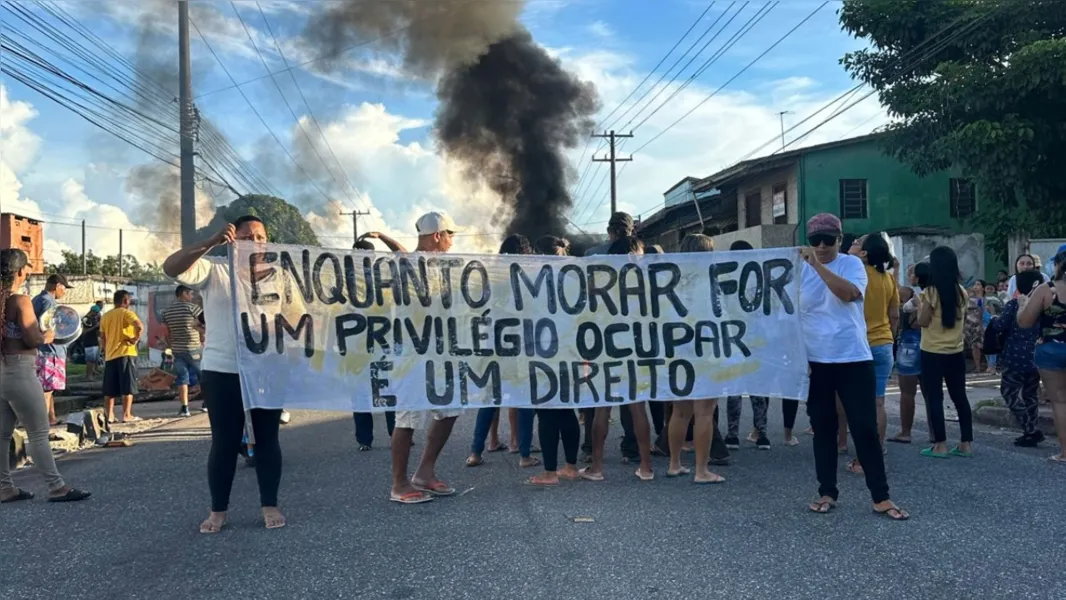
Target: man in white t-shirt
841	364
220	380
435	231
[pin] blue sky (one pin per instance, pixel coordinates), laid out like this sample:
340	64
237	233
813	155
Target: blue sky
378	120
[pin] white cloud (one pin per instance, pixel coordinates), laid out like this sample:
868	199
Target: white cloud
716	134
600	29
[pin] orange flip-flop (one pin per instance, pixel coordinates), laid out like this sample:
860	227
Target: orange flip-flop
410	498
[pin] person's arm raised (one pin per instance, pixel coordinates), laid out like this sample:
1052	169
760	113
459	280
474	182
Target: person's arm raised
842	288
181	261
388	241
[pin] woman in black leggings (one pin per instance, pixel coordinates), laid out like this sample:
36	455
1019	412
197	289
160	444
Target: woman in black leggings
222	392
556	423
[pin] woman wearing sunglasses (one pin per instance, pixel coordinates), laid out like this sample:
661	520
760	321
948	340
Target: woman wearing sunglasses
834	329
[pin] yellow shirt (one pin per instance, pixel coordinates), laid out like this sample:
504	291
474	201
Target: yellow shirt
882	296
117	328
937	339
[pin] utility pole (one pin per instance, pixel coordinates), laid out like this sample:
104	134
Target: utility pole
611	158
187	126
120	253
355	222
84	259
781	115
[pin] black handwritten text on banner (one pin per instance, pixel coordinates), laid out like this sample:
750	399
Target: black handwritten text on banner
350	330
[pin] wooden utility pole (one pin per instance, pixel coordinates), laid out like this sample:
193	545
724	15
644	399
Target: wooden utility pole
355	222
611	158
187	129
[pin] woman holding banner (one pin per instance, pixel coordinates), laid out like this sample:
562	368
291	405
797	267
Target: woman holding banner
558	424
488	418
833	286
701	412
638	412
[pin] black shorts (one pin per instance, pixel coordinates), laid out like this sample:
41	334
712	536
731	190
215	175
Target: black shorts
120	377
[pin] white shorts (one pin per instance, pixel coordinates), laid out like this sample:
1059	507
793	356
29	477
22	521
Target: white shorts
419	419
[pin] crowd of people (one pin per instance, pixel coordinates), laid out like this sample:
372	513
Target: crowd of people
859	327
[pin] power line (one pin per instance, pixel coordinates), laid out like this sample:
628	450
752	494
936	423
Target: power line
733	78
256	112
310	112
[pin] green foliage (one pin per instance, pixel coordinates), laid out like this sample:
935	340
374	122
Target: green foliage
107	266
991	100
284	223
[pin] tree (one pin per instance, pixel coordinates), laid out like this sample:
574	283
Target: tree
284	223
978	84
107	266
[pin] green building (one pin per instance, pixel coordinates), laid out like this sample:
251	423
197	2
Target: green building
765	201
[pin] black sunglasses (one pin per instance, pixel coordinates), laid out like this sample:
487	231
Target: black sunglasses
820	239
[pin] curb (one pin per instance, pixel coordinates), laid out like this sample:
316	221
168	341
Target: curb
1000	416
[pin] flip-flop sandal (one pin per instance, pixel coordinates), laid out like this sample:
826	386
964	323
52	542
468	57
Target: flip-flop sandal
793	441
1057	459
824	507
648	477
500	448
956	452
411	498
364	448
21	495
584	474
855	467
574	477
679	473
132	420
887	513
73	495
720	479
534	461
897	440
441	489
928	452
532	482
275	525
209	531
474	462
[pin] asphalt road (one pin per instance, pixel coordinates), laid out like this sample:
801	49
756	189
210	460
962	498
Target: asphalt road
990	527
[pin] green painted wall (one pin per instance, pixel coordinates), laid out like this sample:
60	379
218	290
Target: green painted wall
896	196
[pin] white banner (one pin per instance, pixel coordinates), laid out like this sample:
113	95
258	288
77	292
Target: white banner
363	331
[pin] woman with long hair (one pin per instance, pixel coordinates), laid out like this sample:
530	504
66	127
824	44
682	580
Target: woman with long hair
974	327
556	424
909	351
701	412
881	312
1024	262
942	314
21	394
488	418
1046	306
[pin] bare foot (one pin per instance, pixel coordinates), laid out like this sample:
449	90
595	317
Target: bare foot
529	461
214	523
569	472
273	517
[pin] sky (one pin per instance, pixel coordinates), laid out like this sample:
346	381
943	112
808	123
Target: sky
381	155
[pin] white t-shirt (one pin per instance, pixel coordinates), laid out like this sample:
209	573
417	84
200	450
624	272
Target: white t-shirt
833	330
210	275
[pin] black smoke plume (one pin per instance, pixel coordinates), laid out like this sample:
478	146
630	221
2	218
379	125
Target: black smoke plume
508	111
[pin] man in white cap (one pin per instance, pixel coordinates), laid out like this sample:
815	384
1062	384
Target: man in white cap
435	231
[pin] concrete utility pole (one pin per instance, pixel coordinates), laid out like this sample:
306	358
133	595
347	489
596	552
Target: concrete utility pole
611	158
187	126
355	222
120	270
84	259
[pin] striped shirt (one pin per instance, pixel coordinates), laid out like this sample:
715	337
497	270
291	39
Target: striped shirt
181	319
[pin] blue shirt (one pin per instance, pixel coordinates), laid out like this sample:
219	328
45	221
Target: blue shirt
42	303
1019	344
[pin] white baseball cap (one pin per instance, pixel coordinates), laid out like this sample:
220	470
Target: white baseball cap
435	222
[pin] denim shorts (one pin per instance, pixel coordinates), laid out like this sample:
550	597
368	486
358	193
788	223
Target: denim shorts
1051	356
882	367
909	358
92	354
187	368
